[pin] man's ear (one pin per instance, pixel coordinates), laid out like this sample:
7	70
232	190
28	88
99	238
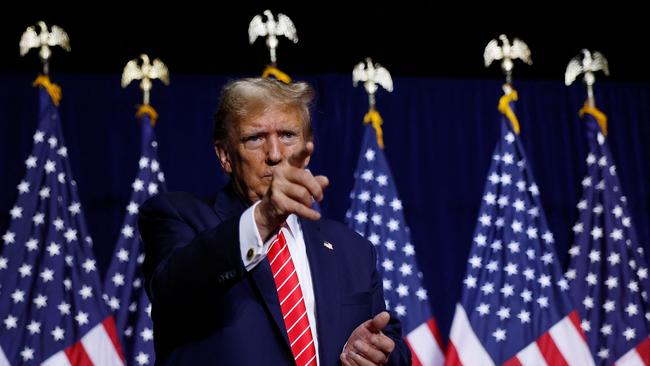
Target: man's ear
224	157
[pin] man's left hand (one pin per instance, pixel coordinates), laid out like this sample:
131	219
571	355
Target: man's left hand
367	344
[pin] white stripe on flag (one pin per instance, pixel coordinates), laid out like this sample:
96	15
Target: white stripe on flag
630	358
425	346
58	359
3	358
568	340
99	347
531	355
470	350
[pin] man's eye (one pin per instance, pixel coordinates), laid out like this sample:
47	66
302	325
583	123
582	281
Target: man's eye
253	138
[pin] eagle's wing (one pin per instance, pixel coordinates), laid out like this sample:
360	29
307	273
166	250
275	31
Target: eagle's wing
382	77
520	50
159	71
600	62
131	72
256	28
492	52
58	37
573	69
286	28
359	73
29	40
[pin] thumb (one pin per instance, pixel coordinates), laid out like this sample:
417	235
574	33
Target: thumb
379	321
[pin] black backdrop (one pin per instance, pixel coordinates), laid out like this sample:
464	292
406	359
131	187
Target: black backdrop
438	38
439	138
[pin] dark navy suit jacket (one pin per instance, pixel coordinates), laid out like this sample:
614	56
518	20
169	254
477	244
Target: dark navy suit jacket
208	310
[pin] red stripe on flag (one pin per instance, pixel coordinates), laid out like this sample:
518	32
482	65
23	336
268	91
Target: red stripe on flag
451	357
433	327
415	361
643	349
514	361
77	355
109	326
549	350
575	319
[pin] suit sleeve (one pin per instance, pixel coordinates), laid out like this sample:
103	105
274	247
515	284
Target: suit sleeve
401	355
183	265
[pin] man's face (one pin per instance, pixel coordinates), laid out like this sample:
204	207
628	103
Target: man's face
257	145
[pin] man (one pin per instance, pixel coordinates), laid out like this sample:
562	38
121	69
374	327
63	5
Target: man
256	277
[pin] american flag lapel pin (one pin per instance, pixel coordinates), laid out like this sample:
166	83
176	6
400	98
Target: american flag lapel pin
328	245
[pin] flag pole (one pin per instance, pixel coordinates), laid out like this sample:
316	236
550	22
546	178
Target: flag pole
372	75
587	64
507	52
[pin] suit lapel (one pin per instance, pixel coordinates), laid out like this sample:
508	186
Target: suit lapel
263	279
227	205
324	276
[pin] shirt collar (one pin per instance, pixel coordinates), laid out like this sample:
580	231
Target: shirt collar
293	225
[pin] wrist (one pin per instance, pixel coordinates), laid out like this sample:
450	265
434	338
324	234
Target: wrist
267	222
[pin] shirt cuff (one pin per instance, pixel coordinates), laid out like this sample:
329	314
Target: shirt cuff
252	248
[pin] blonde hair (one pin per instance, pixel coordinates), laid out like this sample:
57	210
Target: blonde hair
245	97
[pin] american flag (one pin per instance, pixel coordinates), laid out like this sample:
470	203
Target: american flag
376	213
51	310
515	306
608	273
124	290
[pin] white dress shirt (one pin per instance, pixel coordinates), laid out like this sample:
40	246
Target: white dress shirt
250	240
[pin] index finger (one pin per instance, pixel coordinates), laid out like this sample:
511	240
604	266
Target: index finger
297	160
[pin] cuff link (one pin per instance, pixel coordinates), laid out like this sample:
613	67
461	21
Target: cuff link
250	254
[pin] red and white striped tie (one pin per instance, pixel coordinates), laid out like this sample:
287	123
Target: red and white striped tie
292	303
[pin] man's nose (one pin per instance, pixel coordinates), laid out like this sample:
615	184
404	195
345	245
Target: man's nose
274	154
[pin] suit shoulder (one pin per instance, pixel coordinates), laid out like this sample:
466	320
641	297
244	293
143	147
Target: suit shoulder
175	200
181	205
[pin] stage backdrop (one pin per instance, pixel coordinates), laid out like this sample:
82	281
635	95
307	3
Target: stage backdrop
439	137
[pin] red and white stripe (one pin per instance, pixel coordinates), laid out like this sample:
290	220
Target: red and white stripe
639	355
425	344
563	344
99	347
464	346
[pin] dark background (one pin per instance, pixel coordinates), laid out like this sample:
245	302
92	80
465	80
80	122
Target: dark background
411	38
441	121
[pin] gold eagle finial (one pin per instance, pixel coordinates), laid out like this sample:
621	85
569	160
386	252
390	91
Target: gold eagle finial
146	72
43	40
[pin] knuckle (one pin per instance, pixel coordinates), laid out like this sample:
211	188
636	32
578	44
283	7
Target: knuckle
360	345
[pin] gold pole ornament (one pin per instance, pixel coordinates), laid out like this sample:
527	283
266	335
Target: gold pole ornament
507	53
272	29
43	40
373	75
146	72
587	63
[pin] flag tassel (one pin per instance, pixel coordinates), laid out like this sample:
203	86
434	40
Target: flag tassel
375	118
52	89
504	106
600	117
148	110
